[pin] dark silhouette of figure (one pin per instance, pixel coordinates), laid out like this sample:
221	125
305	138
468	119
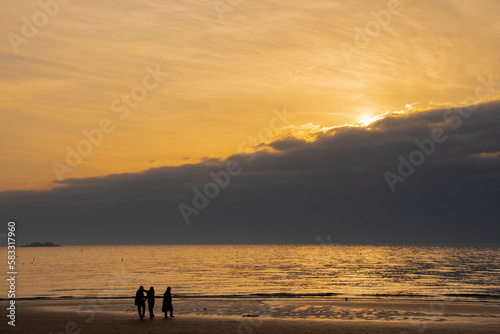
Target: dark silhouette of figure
139	301
167	304
151	302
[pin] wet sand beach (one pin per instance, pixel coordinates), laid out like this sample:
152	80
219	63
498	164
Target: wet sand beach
258	316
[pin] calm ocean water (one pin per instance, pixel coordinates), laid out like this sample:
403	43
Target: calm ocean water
262	270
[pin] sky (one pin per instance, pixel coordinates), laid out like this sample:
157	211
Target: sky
250	122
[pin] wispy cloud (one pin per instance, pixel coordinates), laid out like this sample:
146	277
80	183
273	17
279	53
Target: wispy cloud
225	76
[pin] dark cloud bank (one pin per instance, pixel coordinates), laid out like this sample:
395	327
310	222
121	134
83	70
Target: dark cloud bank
332	186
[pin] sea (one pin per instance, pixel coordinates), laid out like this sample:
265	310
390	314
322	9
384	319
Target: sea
258	271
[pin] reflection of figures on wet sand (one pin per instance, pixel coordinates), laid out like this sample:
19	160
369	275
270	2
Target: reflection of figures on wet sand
151	302
139	301
167	303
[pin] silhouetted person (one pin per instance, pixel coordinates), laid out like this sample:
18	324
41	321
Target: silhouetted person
167	304
139	301
151	302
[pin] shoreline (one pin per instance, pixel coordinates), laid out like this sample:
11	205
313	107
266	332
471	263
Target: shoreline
262	316
333	297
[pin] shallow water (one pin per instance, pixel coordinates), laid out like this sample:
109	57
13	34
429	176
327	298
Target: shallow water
258	270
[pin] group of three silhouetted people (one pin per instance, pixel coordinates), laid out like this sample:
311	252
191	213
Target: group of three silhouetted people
140	301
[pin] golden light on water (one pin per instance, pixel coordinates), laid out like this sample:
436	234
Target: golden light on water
232	270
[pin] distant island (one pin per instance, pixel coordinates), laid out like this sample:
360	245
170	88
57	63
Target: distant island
42	244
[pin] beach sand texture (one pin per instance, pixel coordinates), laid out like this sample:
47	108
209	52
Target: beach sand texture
240	316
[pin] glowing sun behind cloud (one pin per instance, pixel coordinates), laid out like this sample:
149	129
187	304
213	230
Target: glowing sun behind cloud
225	76
366	117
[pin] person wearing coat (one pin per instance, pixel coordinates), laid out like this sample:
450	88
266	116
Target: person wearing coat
167	304
139	301
151	302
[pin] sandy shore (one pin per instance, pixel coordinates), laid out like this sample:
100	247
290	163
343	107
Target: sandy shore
256	316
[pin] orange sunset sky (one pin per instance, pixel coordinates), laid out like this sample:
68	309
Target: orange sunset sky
66	66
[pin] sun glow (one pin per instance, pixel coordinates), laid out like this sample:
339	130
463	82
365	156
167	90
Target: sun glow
369	120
